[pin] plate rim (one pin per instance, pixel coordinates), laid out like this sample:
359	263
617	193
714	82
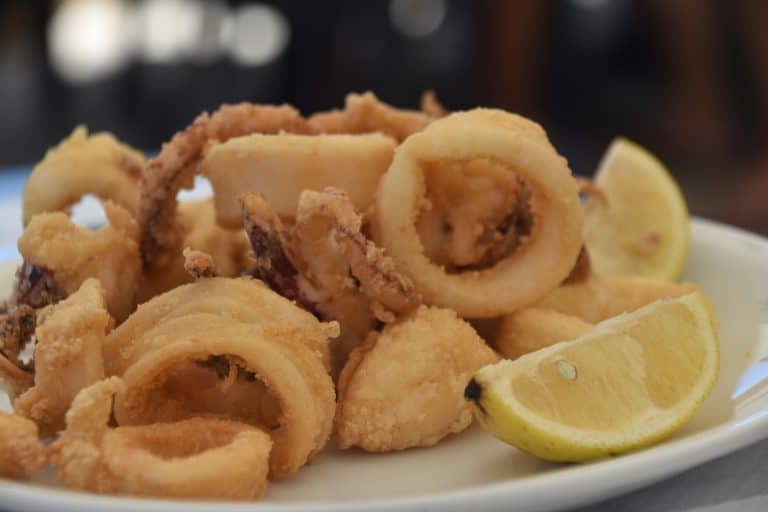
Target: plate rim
651	464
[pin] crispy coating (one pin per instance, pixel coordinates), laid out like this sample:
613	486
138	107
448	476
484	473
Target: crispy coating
389	291
328	266
81	164
600	298
198	229
273	379
229	248
16	378
243	300
530	329
68	356
21	452
327	278
74	254
342	273
76	453
365	113
177	163
198	264
234	349
199	458
281	166
543	258
405	386
16	328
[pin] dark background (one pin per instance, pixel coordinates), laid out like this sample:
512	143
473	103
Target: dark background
686	78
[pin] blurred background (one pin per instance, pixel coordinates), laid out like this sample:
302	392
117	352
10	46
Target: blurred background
686	78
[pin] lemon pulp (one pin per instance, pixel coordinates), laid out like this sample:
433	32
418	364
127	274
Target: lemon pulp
628	383
638	224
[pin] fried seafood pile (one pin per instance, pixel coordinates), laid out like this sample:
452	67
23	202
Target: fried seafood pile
202	349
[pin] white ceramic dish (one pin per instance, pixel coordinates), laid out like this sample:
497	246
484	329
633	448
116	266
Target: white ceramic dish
473	471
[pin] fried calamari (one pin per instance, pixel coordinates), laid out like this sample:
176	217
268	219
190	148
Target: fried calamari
405	386
328	226
280	167
369	232
205	364
242	300
574	308
503	143
177	164
229	348
365	113
21	452
600	298
198	264
328	266
17	327
199	231
200	458
59	256
80	165
68	357
531	329
475	214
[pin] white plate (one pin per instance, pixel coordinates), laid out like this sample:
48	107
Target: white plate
473	471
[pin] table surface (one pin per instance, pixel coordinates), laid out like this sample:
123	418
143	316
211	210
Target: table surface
738	481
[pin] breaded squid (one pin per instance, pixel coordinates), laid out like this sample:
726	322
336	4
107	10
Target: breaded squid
68	356
82	164
176	165
365	113
405	386
521	241
327	265
202	458
21	452
59	256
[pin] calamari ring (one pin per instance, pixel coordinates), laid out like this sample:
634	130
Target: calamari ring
242	299
204	458
164	383
81	164
194	458
545	257
177	163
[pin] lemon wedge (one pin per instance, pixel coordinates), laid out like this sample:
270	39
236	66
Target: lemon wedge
638	224
628	383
